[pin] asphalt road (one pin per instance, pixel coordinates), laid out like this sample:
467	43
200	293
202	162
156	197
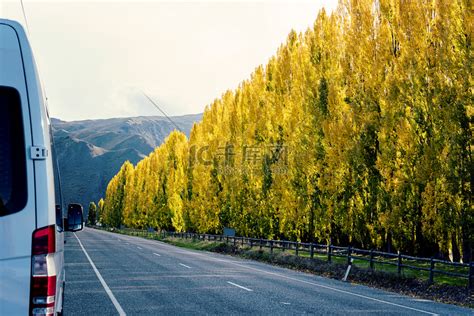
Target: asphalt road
110	274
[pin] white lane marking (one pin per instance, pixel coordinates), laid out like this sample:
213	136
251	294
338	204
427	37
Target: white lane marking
240	286
157	254
183	251
102	281
306	282
333	289
181	264
285	303
139	247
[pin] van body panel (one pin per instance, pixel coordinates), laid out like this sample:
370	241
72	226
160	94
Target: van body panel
18	70
16	229
15	285
44	172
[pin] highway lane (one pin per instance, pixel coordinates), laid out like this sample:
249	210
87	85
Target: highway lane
144	277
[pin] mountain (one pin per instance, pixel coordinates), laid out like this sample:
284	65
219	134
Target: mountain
91	152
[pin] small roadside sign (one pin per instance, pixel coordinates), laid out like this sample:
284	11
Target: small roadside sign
229	232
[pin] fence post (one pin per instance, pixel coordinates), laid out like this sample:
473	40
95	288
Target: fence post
329	253
371	262
296	250
271	247
399	263
235	241
261	243
251	243
432	266
311	250
243	238
349	251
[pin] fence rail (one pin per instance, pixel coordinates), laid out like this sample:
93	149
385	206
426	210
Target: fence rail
452	269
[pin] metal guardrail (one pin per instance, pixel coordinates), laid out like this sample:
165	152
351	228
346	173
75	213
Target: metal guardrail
372	256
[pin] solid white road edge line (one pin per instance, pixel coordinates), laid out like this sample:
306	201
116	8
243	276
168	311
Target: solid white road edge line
157	254
181	264
240	286
102	281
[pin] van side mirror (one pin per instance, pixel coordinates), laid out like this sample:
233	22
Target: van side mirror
75	219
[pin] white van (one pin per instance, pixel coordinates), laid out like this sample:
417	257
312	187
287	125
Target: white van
31	220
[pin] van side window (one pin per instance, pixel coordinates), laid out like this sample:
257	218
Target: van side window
13	183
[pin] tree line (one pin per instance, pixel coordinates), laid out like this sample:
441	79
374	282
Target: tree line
357	131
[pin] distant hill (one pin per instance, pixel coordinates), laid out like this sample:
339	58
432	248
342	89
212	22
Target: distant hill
91	152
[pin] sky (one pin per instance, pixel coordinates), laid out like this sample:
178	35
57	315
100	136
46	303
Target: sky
95	58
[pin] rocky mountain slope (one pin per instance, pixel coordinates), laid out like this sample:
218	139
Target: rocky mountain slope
91	152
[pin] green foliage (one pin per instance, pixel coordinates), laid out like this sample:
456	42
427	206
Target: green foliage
100	210
92	215
363	130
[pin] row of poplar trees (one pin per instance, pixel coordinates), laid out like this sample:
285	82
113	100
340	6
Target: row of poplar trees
358	131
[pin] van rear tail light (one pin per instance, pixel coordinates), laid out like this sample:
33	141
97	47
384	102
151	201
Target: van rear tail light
44	240
43	291
39	264
43	279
